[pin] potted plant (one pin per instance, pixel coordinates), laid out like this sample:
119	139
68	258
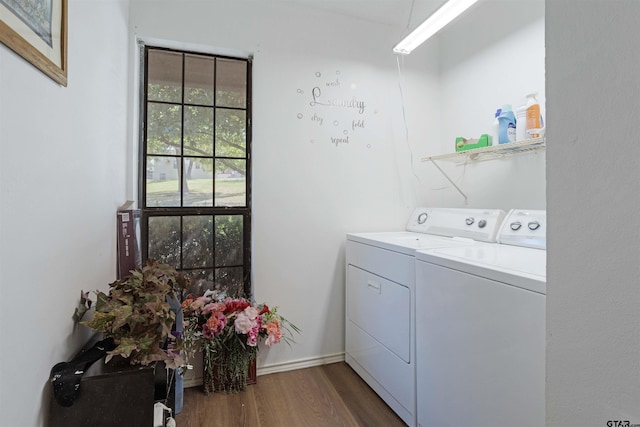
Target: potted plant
228	330
136	313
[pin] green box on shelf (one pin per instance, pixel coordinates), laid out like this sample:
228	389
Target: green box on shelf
463	144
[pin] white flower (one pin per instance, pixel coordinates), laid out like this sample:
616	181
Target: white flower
251	312
243	323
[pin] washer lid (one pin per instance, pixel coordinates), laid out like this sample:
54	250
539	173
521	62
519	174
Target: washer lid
515	265
407	242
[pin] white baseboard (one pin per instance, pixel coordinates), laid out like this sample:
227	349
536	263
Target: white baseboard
300	364
193	378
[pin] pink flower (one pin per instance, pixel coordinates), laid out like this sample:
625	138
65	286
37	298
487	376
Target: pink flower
199	303
213	306
222	321
216	322
207	332
252	337
274	331
273	327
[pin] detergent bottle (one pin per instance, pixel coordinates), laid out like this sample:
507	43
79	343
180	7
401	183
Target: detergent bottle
507	122
535	124
495	128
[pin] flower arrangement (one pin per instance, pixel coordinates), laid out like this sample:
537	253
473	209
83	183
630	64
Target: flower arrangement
229	330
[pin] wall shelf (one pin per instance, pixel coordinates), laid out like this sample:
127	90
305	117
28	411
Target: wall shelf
491	152
486	153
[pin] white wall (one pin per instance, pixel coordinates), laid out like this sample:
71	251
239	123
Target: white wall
491	55
308	192
593	102
63	152
57	225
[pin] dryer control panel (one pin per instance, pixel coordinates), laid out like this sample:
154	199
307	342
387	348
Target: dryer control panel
477	224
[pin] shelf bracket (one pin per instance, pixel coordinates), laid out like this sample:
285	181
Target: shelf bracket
450	181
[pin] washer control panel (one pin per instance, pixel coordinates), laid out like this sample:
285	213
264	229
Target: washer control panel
524	228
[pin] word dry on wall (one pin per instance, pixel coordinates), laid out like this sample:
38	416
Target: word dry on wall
334	111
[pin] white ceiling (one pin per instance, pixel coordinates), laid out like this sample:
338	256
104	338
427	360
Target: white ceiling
400	13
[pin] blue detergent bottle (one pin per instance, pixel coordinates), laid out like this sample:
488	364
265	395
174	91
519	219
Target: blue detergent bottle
507	125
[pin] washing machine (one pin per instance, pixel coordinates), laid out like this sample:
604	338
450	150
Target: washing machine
380	296
480	327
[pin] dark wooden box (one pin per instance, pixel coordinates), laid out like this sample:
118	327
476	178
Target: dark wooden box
115	394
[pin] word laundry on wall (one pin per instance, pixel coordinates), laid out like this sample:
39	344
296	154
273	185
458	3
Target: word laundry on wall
333	110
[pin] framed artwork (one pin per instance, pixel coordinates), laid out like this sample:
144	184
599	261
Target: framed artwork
37	31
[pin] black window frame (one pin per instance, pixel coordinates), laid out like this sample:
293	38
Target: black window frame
214	211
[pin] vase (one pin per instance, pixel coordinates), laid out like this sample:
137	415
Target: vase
228	370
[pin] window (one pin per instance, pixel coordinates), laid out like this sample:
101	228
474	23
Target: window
195	167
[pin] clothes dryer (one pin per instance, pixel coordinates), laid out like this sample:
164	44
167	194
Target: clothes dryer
380	296
480	324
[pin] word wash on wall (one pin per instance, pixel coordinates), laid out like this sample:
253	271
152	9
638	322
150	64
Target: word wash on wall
334	111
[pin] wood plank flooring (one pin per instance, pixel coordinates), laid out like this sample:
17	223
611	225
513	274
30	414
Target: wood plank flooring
323	396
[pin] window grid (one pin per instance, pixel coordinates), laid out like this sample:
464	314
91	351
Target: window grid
181	157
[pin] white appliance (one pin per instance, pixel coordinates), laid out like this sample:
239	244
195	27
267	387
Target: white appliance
380	296
480	327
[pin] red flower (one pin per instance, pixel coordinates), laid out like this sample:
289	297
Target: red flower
265	309
235	305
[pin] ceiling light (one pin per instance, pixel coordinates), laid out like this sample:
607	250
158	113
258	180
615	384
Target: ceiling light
447	13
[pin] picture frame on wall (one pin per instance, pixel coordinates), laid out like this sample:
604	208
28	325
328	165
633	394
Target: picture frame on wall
37	31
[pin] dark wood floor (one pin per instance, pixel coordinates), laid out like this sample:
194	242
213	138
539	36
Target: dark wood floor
323	396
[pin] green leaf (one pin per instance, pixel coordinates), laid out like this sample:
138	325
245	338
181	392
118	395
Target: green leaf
125	348
146	343
101	322
102	302
121	316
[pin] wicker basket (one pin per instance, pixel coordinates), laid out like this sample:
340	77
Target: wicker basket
228	383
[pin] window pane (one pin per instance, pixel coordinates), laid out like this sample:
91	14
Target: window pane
198	131
198	188
197	241
198	80
230	183
231	279
163	181
229	241
164	240
231	83
164	126
165	76
231	133
201	281
196	124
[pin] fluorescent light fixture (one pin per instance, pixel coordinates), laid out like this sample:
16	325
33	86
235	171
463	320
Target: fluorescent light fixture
441	17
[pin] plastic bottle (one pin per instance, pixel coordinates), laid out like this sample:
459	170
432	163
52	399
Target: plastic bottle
495	128
521	123
507	120
535	123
